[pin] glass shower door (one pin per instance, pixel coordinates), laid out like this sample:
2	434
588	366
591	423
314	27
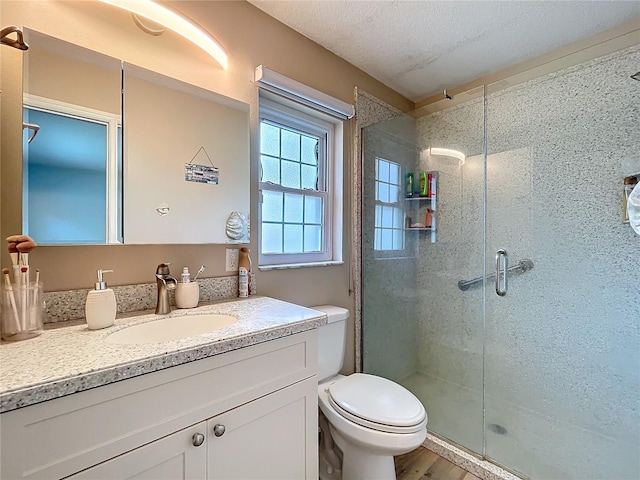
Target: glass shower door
561	353
419	328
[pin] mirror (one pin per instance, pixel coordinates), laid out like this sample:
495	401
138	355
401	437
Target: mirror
114	153
71	144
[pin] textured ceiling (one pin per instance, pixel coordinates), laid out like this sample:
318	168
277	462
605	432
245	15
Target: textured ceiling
420	47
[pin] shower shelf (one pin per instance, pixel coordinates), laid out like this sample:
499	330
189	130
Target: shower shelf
417	207
413	202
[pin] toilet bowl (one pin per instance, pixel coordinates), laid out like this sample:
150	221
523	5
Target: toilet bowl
370	418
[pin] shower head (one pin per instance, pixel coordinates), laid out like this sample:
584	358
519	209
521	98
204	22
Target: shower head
636	76
18	43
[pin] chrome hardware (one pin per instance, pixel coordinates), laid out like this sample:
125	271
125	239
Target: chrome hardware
197	439
218	430
522	266
165	283
502	265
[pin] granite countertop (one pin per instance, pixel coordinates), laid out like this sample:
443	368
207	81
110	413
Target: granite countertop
69	359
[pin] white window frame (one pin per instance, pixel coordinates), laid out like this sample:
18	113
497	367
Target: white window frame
303	119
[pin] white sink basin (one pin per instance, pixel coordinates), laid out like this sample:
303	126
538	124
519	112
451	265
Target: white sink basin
173	328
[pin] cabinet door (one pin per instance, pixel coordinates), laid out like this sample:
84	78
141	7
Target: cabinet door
173	457
272	438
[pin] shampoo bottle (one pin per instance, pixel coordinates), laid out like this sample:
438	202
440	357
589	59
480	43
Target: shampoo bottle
244	273
100	308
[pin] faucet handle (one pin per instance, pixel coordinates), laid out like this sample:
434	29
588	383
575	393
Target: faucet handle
163	269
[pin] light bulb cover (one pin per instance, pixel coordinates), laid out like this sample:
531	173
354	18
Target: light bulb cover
169	19
447	152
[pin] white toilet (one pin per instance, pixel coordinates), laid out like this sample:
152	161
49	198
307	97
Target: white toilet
369	418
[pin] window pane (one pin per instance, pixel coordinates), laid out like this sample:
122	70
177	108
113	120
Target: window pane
293	207
269	139
290	174
271	206
387	239
394	173
290	145
312	238
293	238
270	169
393	193
398	218
398	239
378	216
309	150
312	209
383	192
383	171
271	238
377	241
387	216
309	177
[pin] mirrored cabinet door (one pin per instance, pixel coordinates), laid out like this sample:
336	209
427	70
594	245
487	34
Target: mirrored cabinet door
72	131
114	153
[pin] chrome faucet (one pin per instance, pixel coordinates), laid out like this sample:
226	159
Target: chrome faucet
165	283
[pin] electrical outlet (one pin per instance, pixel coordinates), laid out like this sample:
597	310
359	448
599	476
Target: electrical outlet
232	259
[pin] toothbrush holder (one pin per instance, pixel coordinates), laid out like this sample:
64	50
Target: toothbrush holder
187	295
22	311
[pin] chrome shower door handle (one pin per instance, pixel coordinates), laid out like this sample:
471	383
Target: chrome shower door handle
502	264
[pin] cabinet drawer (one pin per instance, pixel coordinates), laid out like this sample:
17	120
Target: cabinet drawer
57	438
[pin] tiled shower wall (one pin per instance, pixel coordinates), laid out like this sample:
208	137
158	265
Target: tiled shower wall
562	356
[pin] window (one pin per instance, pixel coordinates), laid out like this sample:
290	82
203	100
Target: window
389	212
298	175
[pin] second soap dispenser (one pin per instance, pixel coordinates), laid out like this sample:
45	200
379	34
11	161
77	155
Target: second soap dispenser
100	308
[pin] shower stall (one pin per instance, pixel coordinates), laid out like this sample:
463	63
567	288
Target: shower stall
507	296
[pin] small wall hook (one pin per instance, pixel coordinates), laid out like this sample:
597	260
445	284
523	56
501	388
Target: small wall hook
446	95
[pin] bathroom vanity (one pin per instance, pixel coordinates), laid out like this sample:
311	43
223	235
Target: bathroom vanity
246	408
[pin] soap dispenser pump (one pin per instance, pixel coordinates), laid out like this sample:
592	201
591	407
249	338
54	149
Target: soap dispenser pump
100	308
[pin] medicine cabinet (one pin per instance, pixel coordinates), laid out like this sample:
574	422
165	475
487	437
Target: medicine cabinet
110	150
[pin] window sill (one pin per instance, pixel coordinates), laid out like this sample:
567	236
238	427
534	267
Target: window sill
287	266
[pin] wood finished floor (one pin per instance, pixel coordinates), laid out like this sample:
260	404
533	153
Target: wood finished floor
423	464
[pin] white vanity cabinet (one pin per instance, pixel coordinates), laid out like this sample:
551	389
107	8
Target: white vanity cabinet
247	414
173	457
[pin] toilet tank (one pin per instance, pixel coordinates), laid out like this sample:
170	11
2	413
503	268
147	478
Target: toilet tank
331	341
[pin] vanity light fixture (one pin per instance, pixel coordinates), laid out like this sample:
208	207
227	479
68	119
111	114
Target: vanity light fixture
165	17
447	152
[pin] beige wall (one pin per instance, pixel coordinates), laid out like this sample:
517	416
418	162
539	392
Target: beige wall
250	38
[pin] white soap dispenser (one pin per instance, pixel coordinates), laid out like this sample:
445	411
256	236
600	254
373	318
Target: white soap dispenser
100	308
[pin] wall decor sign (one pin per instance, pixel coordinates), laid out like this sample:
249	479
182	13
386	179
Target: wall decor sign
194	172
200	173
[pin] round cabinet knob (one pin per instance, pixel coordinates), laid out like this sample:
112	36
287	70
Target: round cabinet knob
197	439
218	430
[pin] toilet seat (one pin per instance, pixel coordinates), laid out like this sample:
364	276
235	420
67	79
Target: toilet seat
377	403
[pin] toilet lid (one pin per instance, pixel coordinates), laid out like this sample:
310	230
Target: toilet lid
376	400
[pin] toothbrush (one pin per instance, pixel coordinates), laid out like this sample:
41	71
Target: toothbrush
13	328
199	272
